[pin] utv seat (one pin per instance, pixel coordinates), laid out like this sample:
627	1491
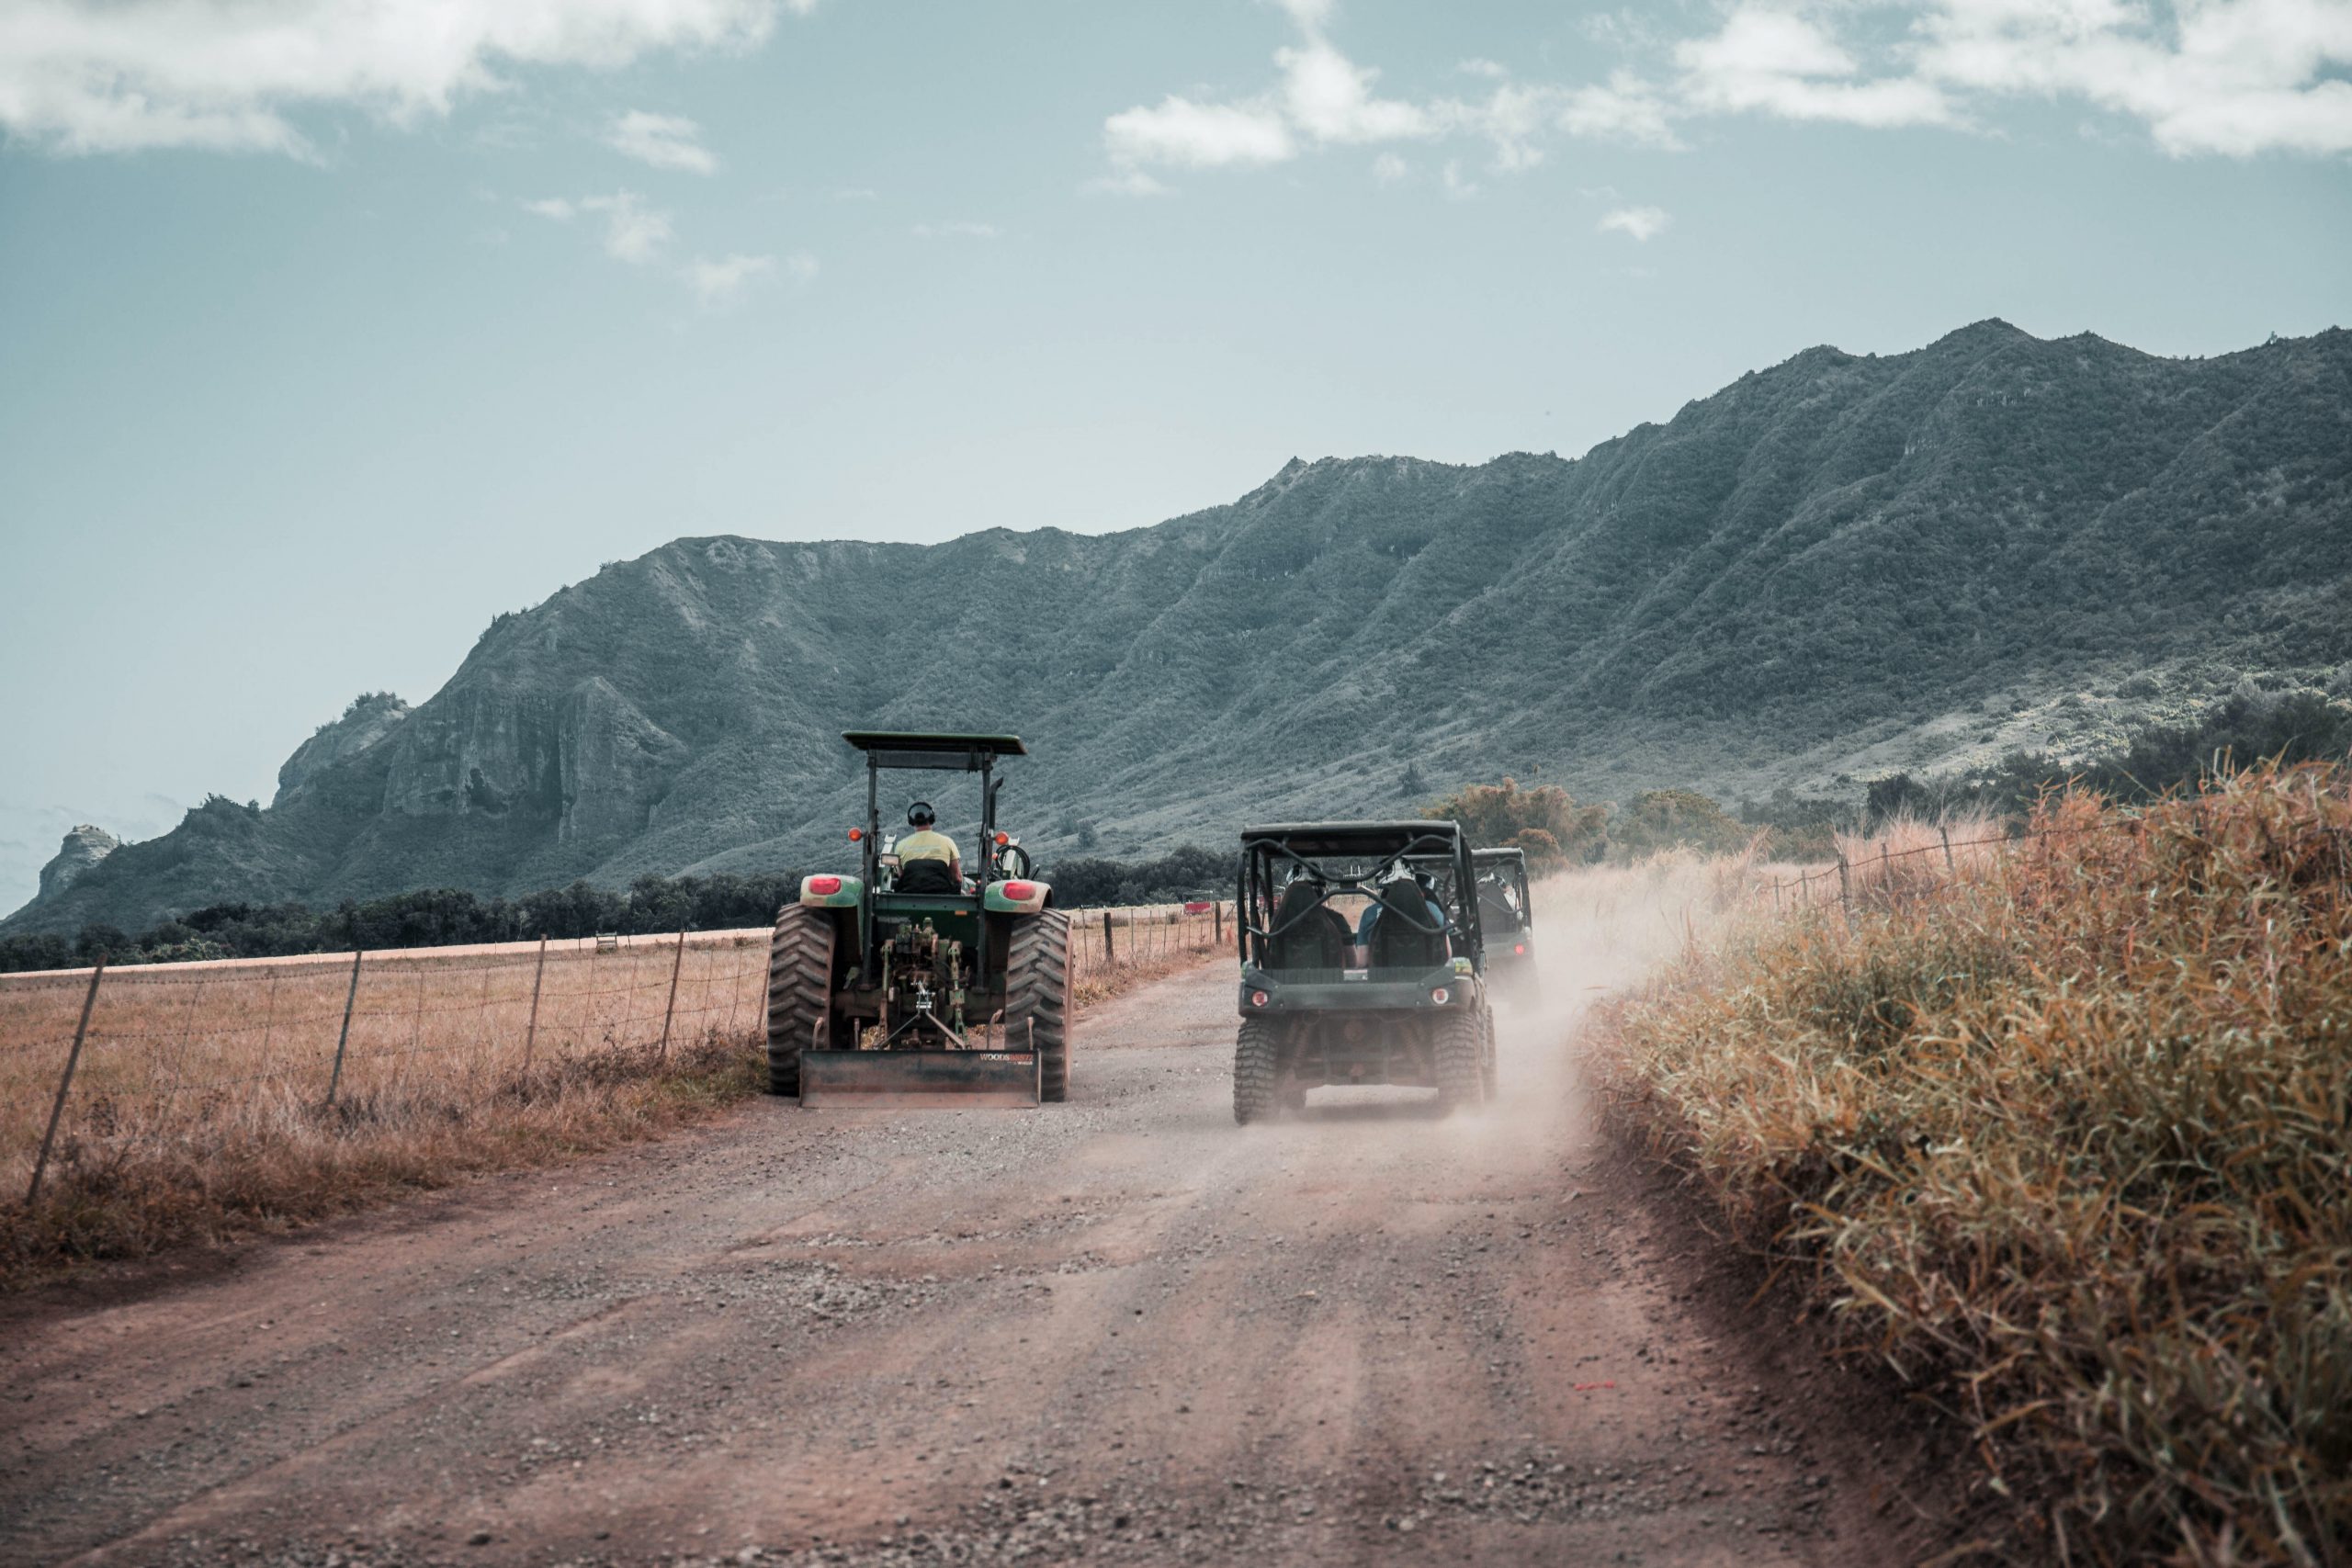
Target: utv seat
1309	933
1400	938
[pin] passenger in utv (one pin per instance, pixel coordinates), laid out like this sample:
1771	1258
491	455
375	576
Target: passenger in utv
1393	892
1309	933
929	861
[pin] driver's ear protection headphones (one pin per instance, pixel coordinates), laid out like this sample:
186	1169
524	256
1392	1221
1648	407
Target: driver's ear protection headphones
921	815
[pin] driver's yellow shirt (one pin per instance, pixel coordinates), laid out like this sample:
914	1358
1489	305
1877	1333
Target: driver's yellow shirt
928	845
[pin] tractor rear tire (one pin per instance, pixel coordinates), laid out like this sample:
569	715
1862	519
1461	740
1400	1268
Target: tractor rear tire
800	992
1257	1072
1460	1052
1036	998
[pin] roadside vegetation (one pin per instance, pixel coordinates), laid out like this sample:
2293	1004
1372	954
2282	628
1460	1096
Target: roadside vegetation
2063	1134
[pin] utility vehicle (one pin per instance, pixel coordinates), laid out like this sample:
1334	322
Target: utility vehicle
1326	1002
903	984
1507	918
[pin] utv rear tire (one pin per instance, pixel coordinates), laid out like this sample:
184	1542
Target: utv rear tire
1036	998
1488	1073
800	992
1256	1072
1460	1050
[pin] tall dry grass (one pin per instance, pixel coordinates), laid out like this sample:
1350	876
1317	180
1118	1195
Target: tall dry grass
206	1100
2068	1138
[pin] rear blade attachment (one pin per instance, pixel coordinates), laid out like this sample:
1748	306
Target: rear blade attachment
842	1080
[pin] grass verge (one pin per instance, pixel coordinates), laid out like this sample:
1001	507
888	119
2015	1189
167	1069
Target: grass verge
275	1161
2066	1136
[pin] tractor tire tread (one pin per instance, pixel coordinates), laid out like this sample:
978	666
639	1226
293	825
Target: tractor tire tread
800	977
1037	999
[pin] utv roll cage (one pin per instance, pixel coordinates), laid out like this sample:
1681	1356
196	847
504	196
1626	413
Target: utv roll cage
1508	866
1343	858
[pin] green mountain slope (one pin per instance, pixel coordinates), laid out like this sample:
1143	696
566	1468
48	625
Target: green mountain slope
1840	562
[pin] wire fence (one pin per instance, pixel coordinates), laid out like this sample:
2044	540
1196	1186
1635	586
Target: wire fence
132	1057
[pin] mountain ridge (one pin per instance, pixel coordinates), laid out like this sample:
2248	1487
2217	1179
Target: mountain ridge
1838	561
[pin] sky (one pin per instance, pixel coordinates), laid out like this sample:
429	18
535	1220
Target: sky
331	329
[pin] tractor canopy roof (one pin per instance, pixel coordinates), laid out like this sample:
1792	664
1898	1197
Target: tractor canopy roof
954	754
1383	839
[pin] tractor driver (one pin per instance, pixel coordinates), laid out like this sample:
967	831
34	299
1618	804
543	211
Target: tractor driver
929	861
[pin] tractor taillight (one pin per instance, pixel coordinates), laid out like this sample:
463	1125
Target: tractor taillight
855	834
1020	892
1440	995
824	886
1002	840
1258	998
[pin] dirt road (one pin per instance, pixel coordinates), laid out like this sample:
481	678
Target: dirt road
1122	1328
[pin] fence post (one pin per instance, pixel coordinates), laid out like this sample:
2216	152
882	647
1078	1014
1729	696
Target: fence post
1944	831
1776	895
531	1035
1110	954
335	1080
1216	921
57	1110
672	1011
1845	883
1885	870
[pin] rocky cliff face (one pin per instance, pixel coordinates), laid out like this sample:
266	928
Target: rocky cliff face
85	847
1837	563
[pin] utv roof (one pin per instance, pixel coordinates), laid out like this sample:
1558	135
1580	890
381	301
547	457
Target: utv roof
908	749
1488	857
1350	838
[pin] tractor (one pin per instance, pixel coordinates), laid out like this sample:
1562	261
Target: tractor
906	982
1330	998
1507	917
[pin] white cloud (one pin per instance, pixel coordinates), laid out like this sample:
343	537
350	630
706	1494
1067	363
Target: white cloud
662	141
1389	168
2229	76
1625	109
634	232
1457	184
1782	63
800	267
1641	223
1183	134
555	209
718	283
226	76
2205	76
956	231
1329	97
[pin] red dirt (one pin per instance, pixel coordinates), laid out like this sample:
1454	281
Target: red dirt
1121	1328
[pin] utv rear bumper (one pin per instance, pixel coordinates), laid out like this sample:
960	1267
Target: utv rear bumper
1265	995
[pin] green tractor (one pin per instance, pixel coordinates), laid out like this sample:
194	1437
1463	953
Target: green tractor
1362	962
1507	917
911	984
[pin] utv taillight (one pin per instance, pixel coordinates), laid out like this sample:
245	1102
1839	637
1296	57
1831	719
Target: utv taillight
1258	998
1518	947
1020	892
824	886
1440	995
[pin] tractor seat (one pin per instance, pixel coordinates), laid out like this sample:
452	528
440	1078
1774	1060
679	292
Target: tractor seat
927	876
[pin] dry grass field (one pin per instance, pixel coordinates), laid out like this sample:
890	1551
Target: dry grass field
2065	1133
207	1100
